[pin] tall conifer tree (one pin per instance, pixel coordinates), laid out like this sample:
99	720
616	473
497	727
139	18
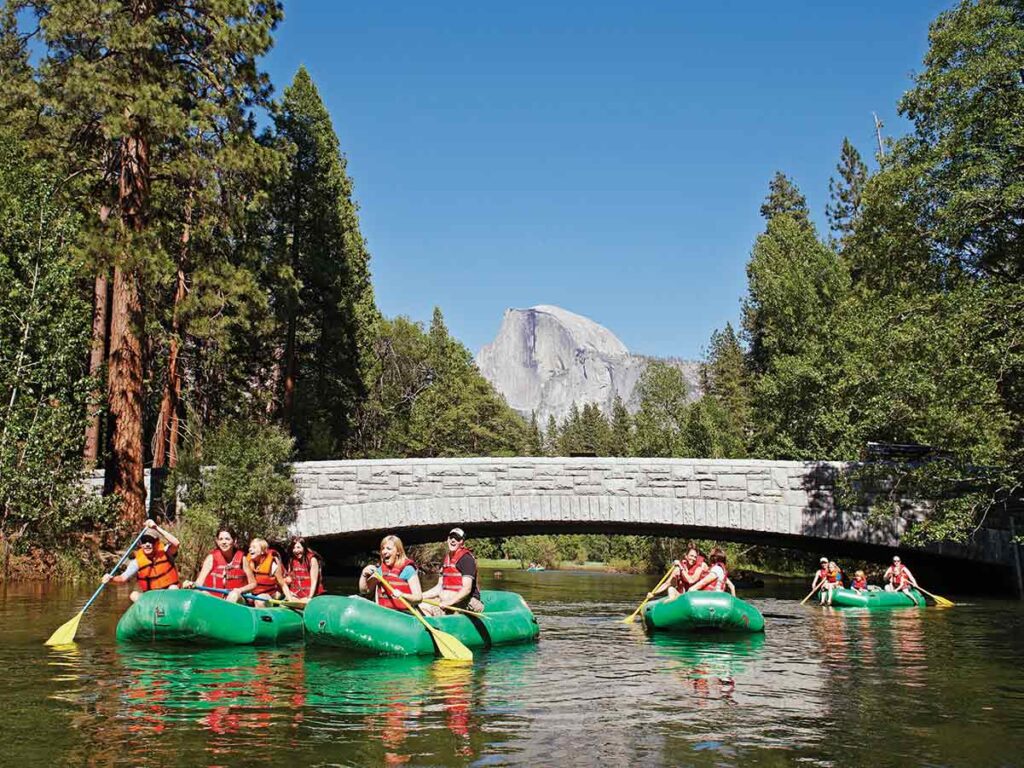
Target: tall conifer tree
329	313
785	197
846	192
122	81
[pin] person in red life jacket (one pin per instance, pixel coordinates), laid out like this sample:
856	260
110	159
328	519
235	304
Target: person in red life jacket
860	581
717	577
820	579
399	572
304	574
153	565
685	574
833	579
225	567
458	583
898	577
268	571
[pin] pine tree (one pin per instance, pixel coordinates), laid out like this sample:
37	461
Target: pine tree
552	438
661	418
621	429
785	198
726	382
122	82
846	192
329	313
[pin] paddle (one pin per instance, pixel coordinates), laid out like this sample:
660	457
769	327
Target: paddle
65	634
811	593
458	610
250	596
449	645
633	615
939	600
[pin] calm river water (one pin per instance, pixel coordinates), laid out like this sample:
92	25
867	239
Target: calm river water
822	687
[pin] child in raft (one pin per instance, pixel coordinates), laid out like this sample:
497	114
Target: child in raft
860	581
399	572
717	578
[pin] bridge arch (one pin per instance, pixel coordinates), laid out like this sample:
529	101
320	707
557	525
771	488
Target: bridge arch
349	505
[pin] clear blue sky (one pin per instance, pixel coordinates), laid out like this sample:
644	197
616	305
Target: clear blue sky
606	157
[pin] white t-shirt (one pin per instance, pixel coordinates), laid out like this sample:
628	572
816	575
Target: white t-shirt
719	573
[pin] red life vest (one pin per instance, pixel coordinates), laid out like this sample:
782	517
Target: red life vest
687	576
158	572
834	577
859	583
718	585
397	583
266	581
298	572
899	578
227	574
823	574
451	577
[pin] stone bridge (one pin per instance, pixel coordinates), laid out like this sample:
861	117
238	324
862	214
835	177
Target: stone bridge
348	505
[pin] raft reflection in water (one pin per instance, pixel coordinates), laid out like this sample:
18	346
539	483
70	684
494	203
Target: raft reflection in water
708	664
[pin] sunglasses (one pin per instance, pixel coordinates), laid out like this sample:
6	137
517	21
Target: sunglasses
453	537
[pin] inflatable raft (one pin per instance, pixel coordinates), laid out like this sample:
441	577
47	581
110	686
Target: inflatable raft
703	611
360	624
851	598
188	616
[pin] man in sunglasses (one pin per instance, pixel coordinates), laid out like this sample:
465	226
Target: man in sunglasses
457	585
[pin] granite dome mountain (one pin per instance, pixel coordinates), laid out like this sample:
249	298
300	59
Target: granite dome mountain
546	358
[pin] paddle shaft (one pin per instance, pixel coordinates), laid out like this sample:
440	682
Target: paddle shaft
814	589
666	577
247	595
457	610
113	571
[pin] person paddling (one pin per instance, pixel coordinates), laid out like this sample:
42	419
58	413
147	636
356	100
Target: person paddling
898	577
717	578
225	567
153	565
458	583
398	570
267	570
820	579
304	576
685	574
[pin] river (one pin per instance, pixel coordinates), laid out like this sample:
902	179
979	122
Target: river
821	687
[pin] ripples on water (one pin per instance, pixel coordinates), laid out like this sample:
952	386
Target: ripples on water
821	687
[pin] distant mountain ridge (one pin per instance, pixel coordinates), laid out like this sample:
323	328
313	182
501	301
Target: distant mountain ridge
545	358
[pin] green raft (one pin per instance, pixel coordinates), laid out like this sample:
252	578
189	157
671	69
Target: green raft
360	624
851	598
703	612
188	616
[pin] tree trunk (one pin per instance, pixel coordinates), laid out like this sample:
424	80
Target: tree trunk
124	378
97	357
166	450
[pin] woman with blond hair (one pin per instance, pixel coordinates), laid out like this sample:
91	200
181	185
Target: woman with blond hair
397	570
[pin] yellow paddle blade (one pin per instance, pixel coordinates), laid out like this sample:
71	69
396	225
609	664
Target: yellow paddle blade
451	647
939	600
65	634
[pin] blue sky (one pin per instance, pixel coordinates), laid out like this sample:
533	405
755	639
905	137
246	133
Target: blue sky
606	157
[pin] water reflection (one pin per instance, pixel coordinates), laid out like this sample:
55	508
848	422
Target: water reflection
707	665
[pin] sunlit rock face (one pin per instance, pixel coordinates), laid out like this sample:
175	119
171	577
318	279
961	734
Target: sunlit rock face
546	358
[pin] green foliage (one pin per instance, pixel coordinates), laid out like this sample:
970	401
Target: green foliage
962	168
721	422
428	399
785	198
44	327
239	475
326	302
660	421
846	192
